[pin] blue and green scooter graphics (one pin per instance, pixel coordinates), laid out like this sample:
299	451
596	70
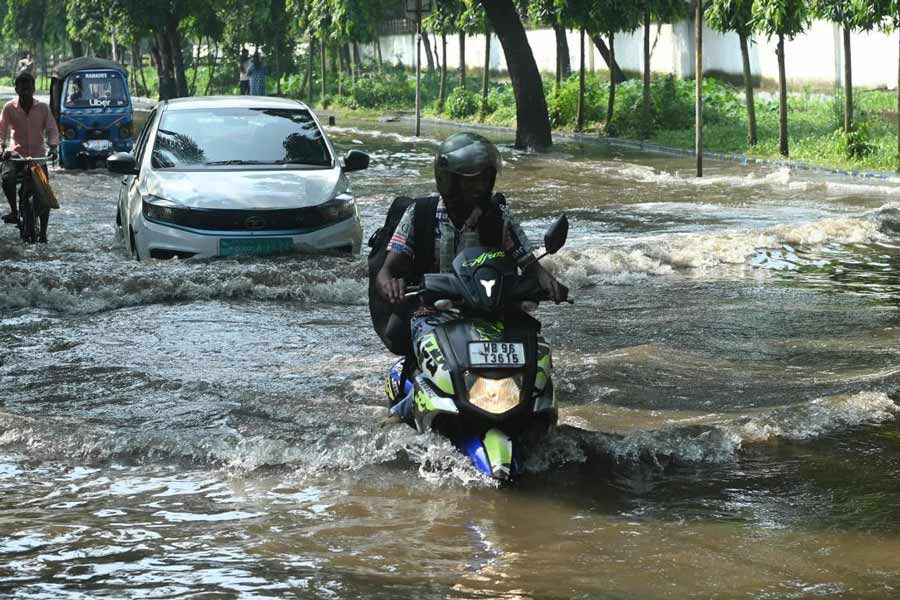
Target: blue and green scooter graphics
492	455
428	403
431	360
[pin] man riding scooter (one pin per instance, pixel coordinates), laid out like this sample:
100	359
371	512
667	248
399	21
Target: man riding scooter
467	213
28	120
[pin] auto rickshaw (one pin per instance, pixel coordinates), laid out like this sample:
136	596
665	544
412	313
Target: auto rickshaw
89	99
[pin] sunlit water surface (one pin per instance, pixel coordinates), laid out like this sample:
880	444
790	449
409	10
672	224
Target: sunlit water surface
211	428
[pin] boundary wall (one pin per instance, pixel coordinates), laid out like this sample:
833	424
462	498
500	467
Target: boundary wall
815	58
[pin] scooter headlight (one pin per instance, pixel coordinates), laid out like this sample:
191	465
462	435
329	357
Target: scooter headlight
495	396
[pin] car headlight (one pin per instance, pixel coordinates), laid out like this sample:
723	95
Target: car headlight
162	210
68	132
338	208
125	130
495	396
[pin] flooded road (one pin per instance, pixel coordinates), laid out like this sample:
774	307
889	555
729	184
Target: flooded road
727	382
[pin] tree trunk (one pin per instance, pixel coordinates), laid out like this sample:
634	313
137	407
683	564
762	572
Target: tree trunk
462	60
848	84
212	58
193	86
442	95
645	105
532	119
612	83
748	90
378	52
579	121
607	55
429	57
698	90
77	48
782	99
174	38
438	61
310	54
486	76
898	115
137	69
563	64
324	71
164	67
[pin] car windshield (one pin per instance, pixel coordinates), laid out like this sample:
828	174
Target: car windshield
95	89
204	138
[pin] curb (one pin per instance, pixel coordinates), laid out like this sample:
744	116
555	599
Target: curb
743	159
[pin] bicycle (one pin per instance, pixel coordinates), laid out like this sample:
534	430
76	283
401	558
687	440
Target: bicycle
29	209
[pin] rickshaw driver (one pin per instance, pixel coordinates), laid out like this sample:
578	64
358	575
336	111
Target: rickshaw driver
28	119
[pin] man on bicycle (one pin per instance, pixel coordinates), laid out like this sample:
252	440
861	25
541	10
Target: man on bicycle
28	119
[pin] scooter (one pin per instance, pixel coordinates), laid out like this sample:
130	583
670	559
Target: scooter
482	375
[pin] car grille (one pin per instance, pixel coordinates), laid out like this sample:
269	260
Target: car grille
250	220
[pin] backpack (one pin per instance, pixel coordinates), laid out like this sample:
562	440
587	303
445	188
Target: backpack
391	321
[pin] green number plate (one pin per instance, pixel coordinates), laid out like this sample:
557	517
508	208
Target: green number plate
235	246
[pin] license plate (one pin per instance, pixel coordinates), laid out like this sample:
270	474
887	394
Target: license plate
235	246
496	354
98	145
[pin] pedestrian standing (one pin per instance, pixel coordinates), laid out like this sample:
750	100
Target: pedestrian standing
26	64
257	72
244	70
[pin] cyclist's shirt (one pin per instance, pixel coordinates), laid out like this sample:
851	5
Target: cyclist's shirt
28	128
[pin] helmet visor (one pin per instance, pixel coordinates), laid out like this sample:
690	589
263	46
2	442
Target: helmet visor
471	159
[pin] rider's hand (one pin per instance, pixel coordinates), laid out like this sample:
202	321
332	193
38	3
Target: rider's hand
392	289
6	155
52	154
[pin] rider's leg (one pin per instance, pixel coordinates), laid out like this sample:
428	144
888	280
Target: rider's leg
8	179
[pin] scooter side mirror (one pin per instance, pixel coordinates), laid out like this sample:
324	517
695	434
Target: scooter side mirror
356	161
556	235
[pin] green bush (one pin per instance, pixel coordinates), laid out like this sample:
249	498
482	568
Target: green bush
462	103
855	144
562	103
378	89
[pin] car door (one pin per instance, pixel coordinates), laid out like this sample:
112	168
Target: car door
128	189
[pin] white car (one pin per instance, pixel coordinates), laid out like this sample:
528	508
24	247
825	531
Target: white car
223	176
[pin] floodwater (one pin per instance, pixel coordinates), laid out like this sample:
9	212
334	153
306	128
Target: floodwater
727	381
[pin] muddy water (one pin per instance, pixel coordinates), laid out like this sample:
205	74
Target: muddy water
211	428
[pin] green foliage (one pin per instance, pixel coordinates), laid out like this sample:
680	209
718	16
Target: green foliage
780	17
730	15
462	103
562	103
837	11
855	144
391	87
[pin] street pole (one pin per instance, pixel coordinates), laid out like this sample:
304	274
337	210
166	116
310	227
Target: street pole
418	67
698	125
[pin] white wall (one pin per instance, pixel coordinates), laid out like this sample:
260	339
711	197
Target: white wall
816	57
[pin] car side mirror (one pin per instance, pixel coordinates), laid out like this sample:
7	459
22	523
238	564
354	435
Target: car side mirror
356	161
556	235
122	163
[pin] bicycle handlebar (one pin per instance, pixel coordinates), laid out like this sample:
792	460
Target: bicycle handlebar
37	159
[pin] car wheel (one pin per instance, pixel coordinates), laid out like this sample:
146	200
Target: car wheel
134	250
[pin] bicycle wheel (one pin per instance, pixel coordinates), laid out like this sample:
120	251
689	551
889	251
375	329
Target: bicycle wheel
27	216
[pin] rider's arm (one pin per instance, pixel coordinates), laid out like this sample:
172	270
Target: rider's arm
516	243
398	266
4	127
391	279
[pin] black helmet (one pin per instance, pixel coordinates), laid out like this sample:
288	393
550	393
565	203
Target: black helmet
465	155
